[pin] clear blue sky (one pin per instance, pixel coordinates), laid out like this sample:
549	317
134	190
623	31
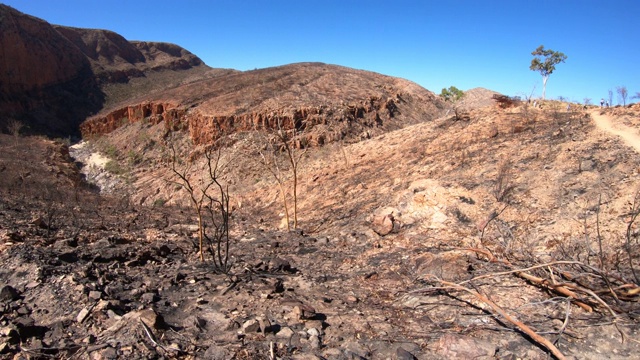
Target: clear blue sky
465	43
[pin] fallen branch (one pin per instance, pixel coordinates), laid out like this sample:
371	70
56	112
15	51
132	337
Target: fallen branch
497	309
564	323
559	288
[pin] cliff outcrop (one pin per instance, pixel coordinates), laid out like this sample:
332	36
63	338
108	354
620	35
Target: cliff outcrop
324	103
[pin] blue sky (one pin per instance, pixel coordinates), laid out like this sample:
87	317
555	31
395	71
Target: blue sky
465	43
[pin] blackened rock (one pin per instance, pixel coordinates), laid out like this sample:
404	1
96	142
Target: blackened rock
402	354
10	334
251	326
281	265
28	329
68	257
4	347
149	298
353	356
8	293
216	352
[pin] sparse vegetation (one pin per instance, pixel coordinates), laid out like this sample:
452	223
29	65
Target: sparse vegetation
610	97
159	202
452	94
134	157
14	127
504	185
209	197
114	167
276	143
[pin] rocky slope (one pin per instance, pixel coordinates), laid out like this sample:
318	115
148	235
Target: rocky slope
323	102
419	237
382	223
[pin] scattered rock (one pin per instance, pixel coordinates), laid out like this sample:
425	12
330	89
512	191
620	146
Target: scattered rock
251	326
314	341
8	293
82	315
39	222
4	347
317	325
285	333
464	347
68	257
352	299
107	353
402	354
149	298
149	317
199	322
587	165
265	324
216	352
303	312
281	265
11	333
383	221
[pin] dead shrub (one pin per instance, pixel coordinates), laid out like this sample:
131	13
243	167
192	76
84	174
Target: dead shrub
504	185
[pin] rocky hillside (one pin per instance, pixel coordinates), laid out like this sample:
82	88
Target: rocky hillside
508	233
404	240
477	98
324	102
45	69
53	77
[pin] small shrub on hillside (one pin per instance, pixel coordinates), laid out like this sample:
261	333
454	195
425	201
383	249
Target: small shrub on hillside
14	127
159	202
134	157
114	167
111	151
503	186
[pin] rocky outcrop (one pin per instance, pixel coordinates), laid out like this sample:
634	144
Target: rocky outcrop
347	121
152	112
324	103
360	120
33	55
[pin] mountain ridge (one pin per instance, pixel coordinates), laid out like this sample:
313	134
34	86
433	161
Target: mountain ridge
50	80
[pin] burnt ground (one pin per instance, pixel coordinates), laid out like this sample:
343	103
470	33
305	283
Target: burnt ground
139	291
93	276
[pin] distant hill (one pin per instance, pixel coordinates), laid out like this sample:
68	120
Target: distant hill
477	98
52	77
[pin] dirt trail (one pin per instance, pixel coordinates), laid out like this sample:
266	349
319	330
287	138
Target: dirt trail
628	134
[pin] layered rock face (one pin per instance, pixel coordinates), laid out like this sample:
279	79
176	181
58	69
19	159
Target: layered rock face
51	77
152	112
323	103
